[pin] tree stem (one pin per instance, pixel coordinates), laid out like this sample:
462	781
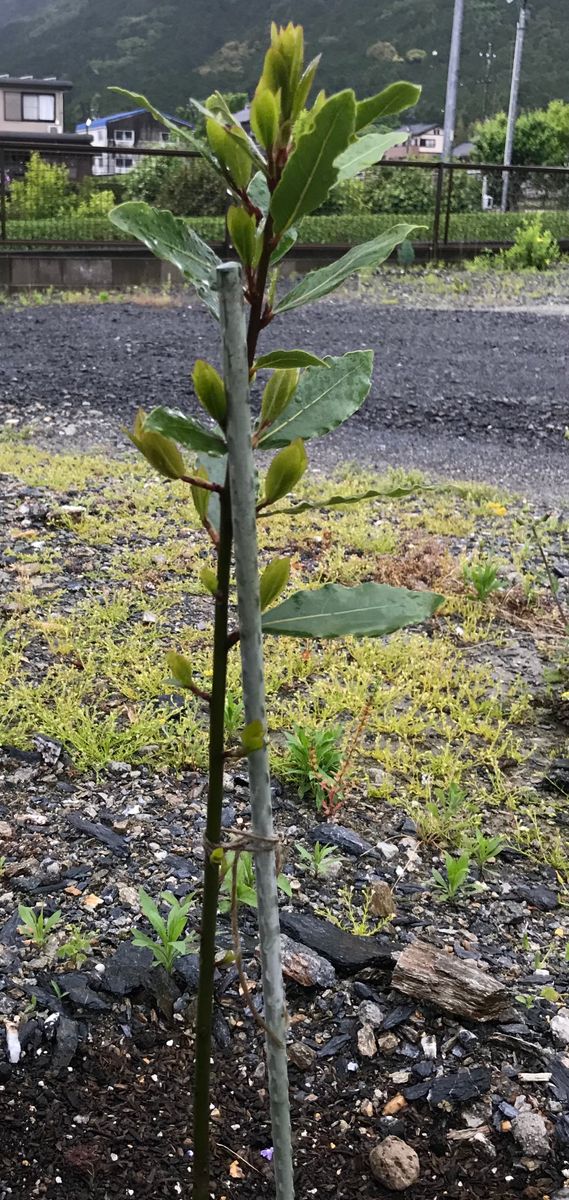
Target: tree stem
201	1173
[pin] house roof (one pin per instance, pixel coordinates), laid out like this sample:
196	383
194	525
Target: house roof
463	150
416	129
49	83
100	122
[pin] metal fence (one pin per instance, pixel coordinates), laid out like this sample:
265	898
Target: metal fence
57	197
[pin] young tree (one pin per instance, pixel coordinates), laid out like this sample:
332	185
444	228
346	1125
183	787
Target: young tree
298	155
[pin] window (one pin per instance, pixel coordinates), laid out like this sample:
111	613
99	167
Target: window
123	164
13	106
38	106
428	143
124	135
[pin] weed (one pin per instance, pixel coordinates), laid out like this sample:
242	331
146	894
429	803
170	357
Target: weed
313	761
360	922
534	247
77	947
2	863
448	886
482	577
234	713
484	849
172	939
319	860
245	887
36	926
446	819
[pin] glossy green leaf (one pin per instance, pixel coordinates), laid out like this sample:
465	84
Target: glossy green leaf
366	151
310	171
273	581
393	99
396	493
216	467
325	397
184	430
183	134
233	129
253	736
208	578
172	239
258	192
360	258
180	667
286	243
284	360
368	610
285	471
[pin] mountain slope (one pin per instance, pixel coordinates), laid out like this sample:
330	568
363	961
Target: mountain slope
180	47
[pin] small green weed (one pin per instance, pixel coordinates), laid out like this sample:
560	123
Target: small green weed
484	849
482	577
234	713
360	922
172	940
314	759
77	947
245	887
448	886
36	926
319	860
534	248
445	820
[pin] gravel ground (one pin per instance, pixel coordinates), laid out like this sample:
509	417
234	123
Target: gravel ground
482	394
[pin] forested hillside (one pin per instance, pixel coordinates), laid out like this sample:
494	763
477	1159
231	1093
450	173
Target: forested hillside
180	47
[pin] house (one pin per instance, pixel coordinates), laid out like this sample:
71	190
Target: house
31	106
119	134
32	116
421	139
463	151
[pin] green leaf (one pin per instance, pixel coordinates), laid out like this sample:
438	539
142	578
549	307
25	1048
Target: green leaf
142	939
258	192
273	581
234	130
287	359
396	493
326	279
325	397
151	912
172	239
369	610
310	171
183	134
286	243
183	429
180	667
253	736
283	885
366	151
216	467
391	100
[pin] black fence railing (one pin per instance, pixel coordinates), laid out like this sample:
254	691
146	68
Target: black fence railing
57	196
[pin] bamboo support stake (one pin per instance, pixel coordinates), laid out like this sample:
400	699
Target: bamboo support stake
243	498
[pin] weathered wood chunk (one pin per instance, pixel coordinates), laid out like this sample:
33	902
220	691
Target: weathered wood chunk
427	973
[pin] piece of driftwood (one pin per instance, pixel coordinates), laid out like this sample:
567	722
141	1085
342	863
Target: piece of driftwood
428	973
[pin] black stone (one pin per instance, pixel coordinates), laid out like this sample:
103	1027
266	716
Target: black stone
163	989
562	1130
76	987
187	967
424	1069
66	1043
460	1086
560	1079
342	838
334	1045
417	1091
398	1016
220	1029
94	829
343	949
538	896
127	969
9	935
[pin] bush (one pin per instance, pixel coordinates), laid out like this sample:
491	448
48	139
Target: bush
98	204
187	186
43	192
534	247
396	190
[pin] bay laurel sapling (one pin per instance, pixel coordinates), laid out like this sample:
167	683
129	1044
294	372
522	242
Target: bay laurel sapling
298	153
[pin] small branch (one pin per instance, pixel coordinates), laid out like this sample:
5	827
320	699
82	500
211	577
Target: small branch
195	481
210	530
200	692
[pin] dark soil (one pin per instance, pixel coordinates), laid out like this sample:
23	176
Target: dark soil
481	394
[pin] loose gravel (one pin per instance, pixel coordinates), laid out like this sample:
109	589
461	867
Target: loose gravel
477	394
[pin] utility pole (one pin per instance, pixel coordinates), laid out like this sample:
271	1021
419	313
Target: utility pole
513	109
452	79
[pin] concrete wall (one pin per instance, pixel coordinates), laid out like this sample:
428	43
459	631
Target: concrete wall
23	128
22	272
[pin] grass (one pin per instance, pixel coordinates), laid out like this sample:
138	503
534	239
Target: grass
348	228
88	667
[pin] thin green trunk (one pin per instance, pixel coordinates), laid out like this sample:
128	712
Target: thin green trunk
201	1172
